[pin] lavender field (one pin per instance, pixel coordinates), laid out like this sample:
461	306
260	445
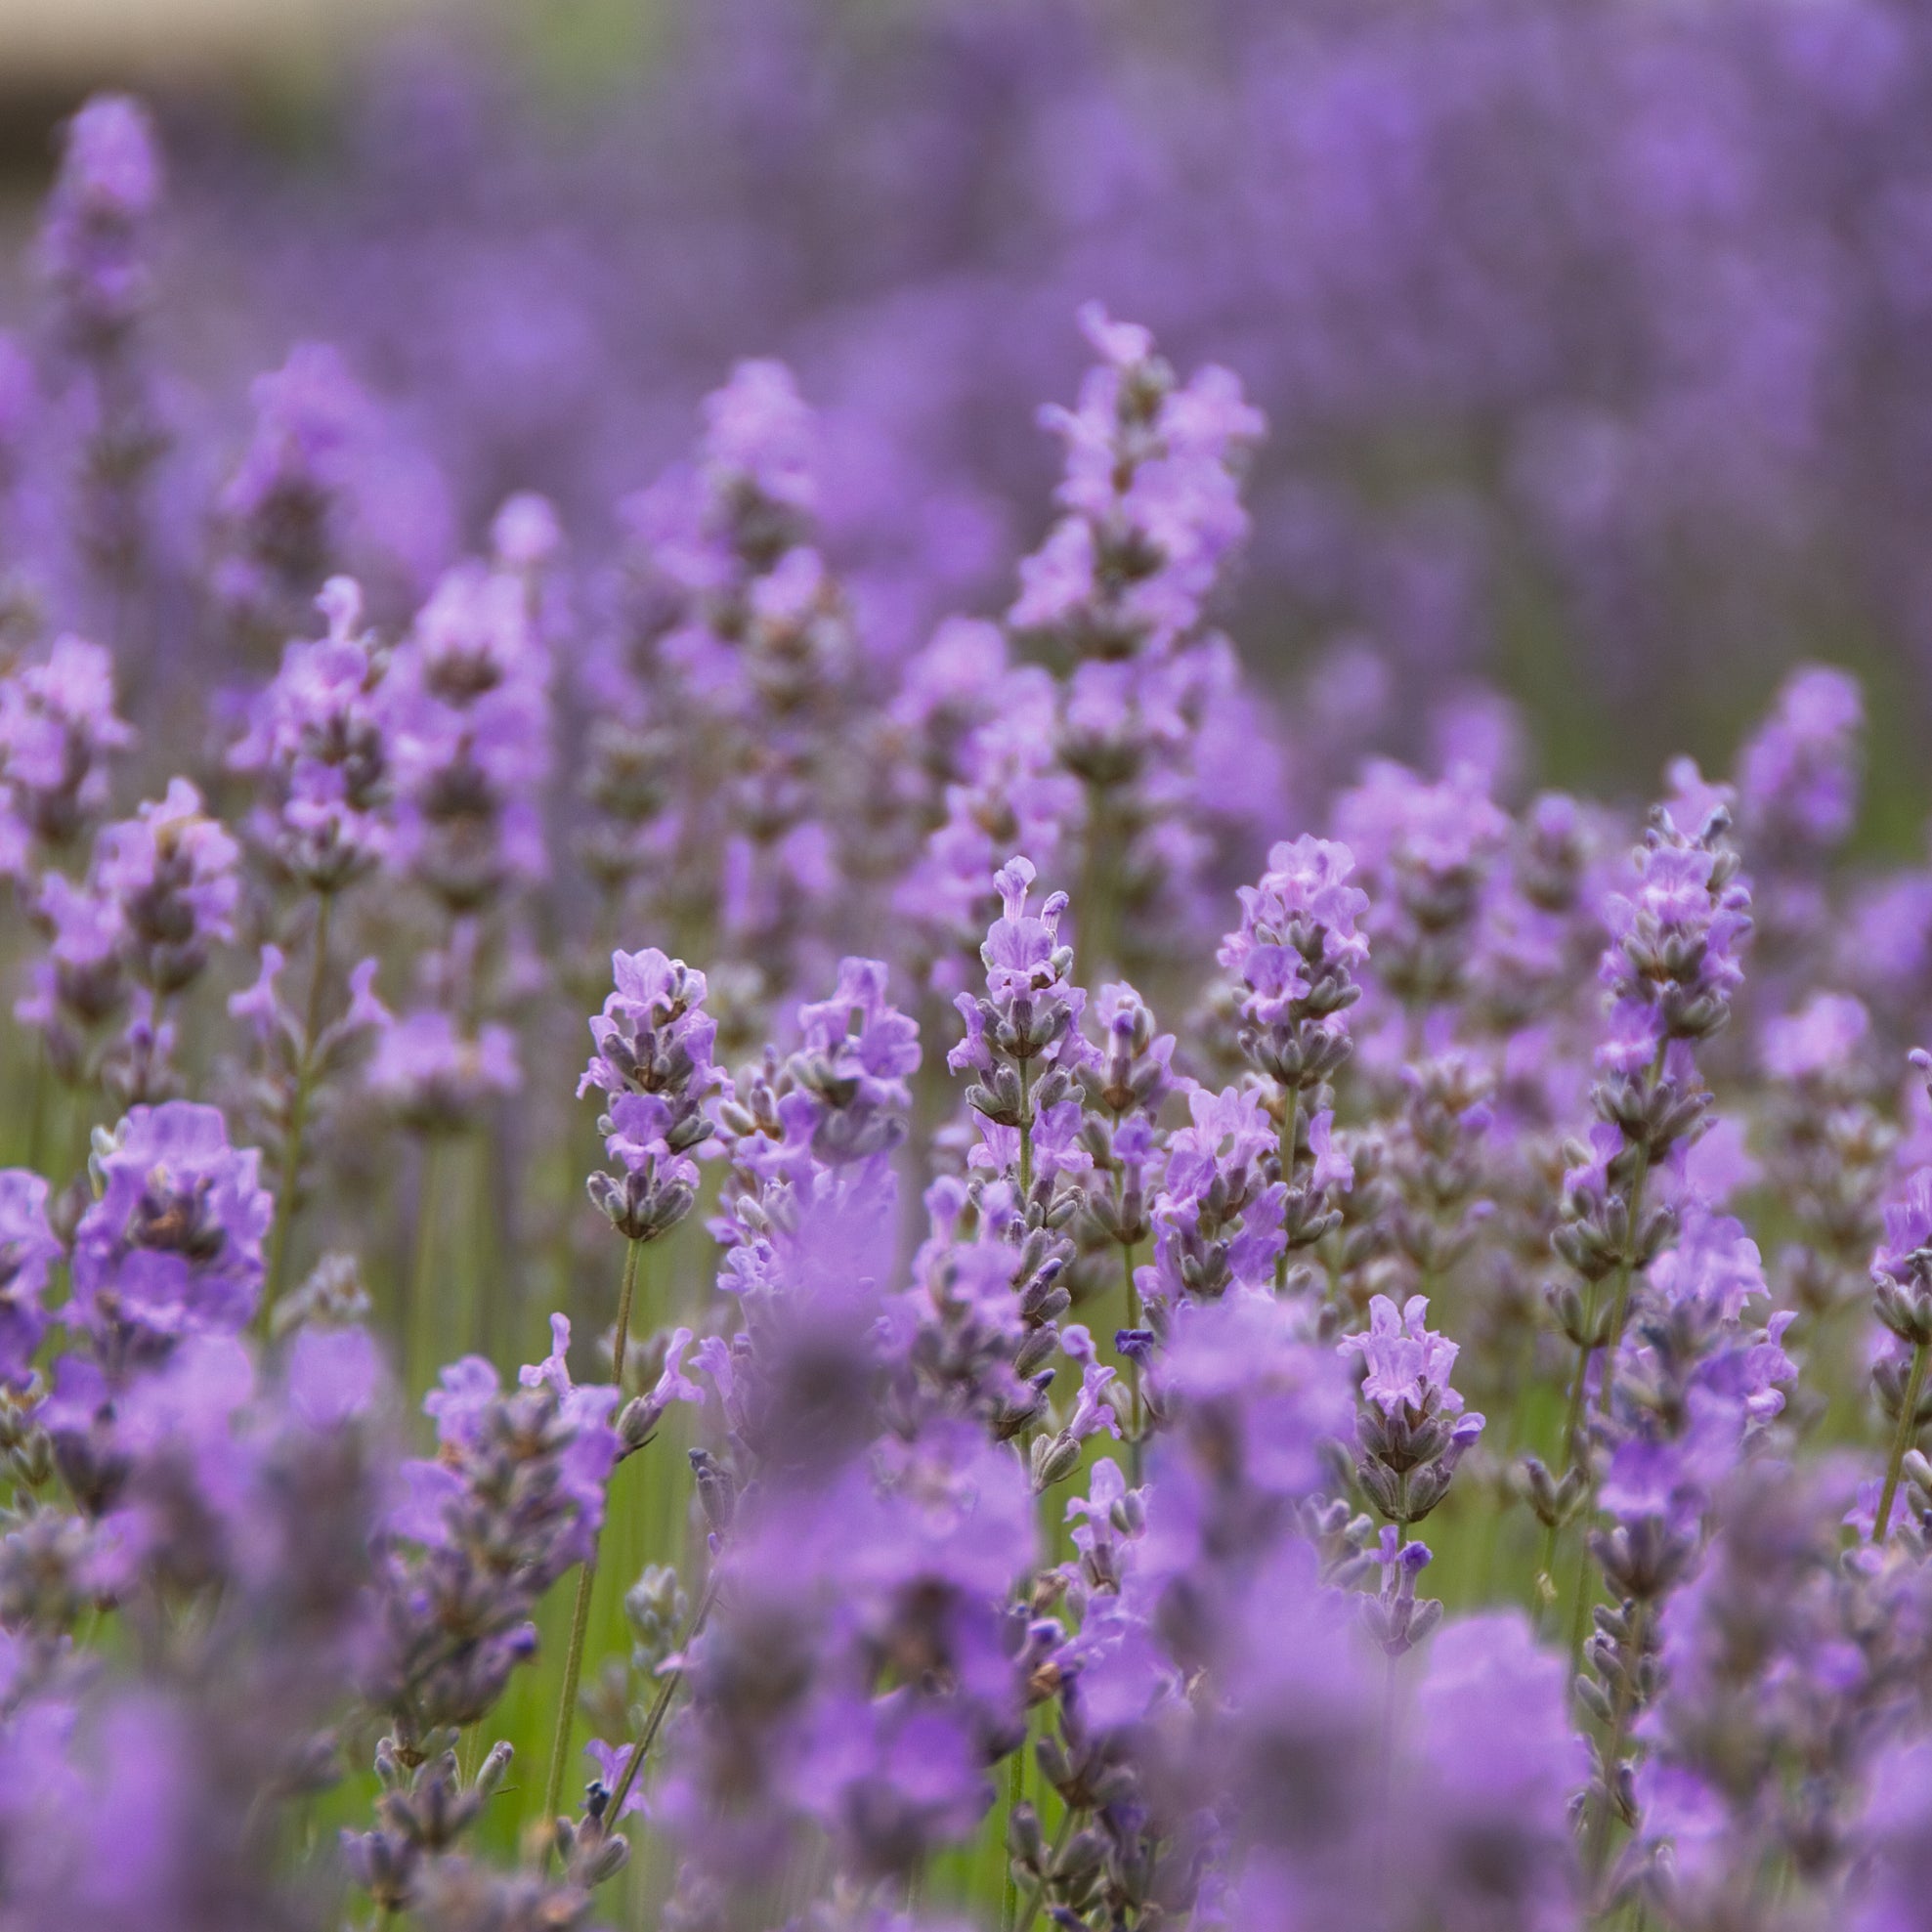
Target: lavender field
972	967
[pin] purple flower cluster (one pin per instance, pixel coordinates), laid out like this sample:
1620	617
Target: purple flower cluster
57	726
1151	498
159	895
653	1060
320	732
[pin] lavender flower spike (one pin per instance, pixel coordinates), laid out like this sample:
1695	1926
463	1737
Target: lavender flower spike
1022	1039
654	1044
1411	1428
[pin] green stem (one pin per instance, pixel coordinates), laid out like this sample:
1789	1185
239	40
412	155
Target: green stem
1025	1135
1291	1133
1016	1796
1901	1441
1573	1421
654	1722
586	1579
553	1784
298	1119
632	1250
1572	1426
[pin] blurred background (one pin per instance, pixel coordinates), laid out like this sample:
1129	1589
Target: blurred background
1596	341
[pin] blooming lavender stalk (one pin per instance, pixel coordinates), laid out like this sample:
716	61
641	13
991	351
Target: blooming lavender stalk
160	892
466	700
1671	970
512	1501
95	247
281	514
735	630
58	727
1296	953
318	736
653	1060
1151	517
1024	1040
1127	1086
1411	1430
1697	1386
173	1241
1423	852
238	1562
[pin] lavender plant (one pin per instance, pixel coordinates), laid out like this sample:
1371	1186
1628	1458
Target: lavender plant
975	1468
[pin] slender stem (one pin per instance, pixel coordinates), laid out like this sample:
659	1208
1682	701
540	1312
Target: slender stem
1016	1796
298	1119
632	1250
1025	1133
1039	1890
586	1579
1571	1427
654	1722
1573	1421
1900	1440
1291	1134
553	1784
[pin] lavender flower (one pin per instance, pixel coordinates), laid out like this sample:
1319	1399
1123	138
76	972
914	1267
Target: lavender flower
1295	955
319	732
1023	1039
1673	964
283	513
172	870
94	259
436	1079
1422	853
654	1061
1151	498
1411	1430
92	245
173	1244
27	1252
58	725
467	703
511	1502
